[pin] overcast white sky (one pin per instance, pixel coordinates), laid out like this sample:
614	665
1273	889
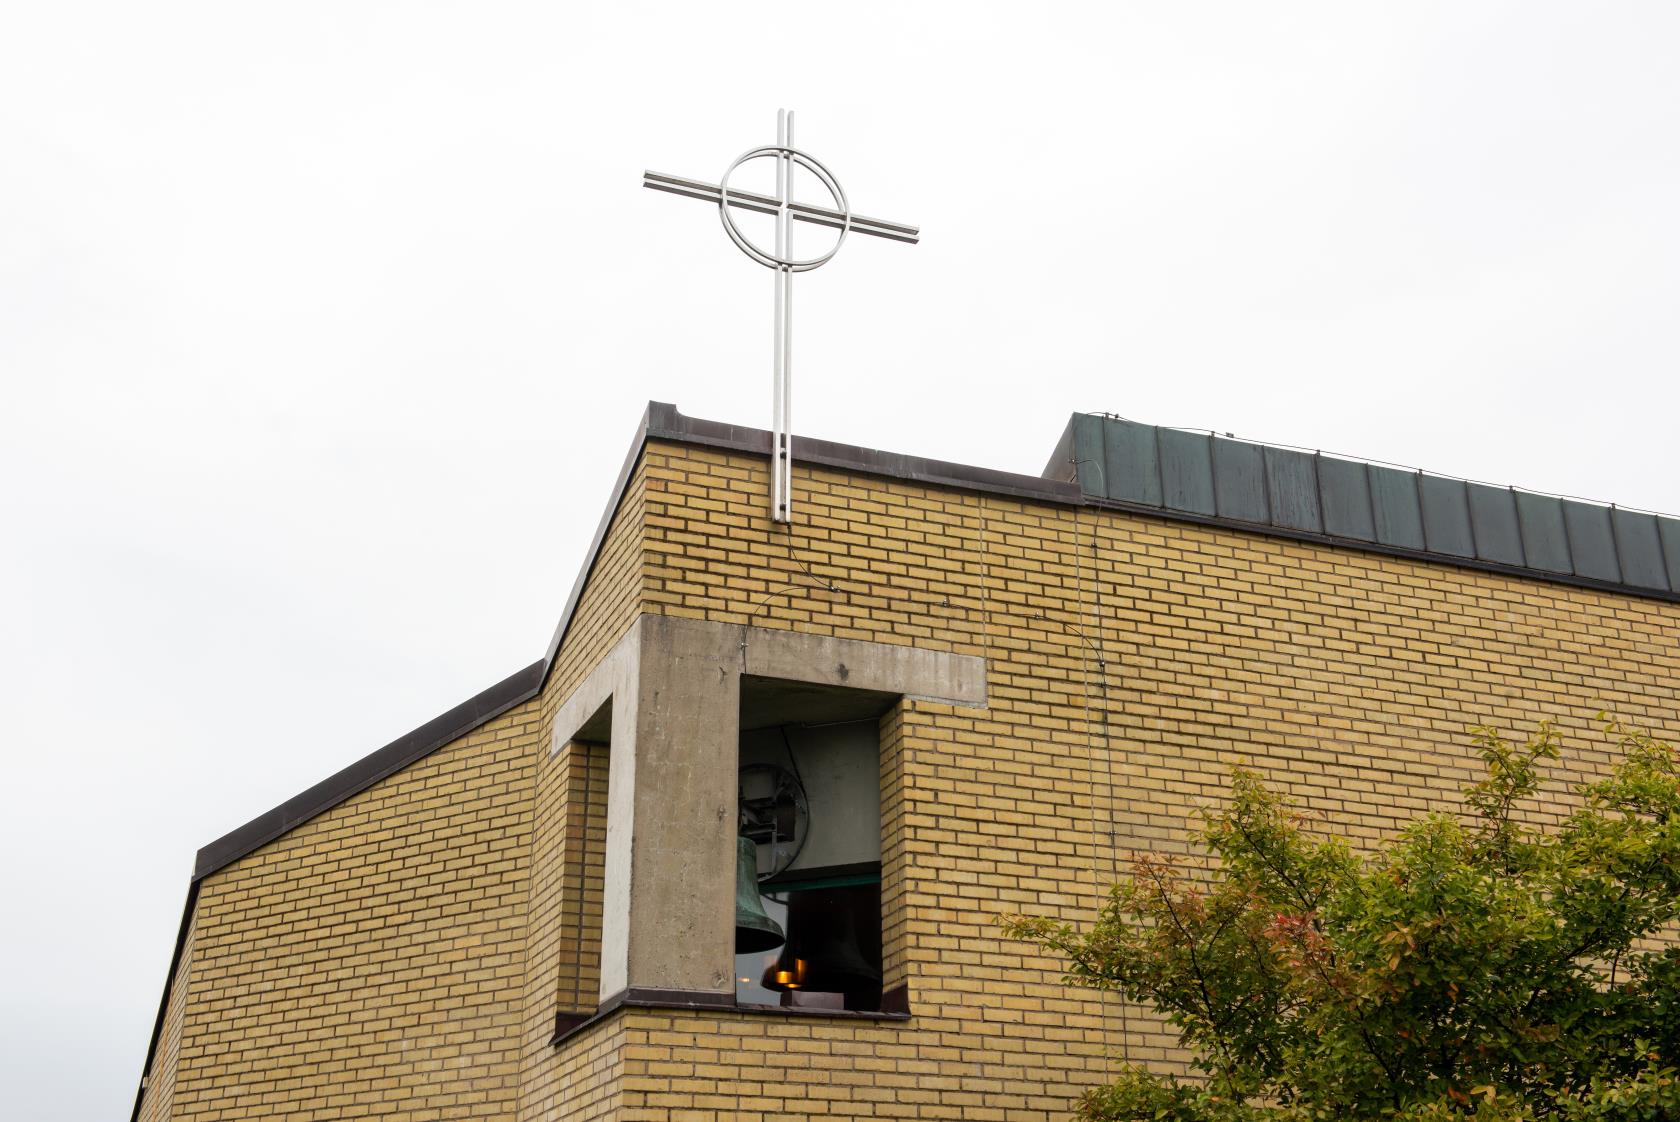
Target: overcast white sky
324	328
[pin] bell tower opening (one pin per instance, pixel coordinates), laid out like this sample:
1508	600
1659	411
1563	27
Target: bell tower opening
765	764
808	855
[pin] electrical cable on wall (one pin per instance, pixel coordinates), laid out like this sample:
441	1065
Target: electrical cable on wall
1107	742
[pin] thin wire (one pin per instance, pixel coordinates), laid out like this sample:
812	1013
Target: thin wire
1108	764
816	581
1096	650
1070	628
758	609
1090	740
764	602
803	794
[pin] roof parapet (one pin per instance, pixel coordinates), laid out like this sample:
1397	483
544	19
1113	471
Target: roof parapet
1272	489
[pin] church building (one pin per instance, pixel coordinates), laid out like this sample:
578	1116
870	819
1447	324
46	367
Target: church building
737	845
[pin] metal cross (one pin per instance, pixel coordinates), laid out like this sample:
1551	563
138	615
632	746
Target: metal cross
786	212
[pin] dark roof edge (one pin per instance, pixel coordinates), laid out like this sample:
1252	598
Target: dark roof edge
646	426
434	734
1267	530
163	1006
666	423
359	776
370	769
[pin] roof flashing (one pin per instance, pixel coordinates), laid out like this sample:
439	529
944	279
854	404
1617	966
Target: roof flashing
1351	503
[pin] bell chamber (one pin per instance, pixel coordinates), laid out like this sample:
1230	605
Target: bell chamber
809	804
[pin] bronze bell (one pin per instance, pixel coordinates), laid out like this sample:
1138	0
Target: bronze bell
823	953
754	929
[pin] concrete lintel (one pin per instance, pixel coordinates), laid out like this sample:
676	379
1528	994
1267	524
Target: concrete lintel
791	655
862	665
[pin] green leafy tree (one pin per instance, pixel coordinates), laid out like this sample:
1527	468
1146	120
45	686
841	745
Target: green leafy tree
1478	966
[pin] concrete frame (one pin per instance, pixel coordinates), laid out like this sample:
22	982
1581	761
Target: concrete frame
670	694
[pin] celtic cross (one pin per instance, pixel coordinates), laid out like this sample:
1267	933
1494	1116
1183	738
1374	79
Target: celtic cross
786	212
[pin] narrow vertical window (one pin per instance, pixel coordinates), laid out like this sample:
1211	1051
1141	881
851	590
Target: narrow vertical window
577	920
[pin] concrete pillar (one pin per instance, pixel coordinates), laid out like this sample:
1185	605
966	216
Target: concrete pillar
671	822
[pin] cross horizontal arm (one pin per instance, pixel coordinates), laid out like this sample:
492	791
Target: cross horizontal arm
767	204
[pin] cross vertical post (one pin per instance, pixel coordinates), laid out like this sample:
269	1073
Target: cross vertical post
786	212
781	441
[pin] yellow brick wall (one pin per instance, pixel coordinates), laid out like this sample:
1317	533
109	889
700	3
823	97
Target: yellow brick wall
759	1068
373	961
564	938
583	1079
578	1083
367	964
404	955
896	873
1131	661
159	1091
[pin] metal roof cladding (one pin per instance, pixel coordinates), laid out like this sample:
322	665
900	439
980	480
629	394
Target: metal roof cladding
1201	477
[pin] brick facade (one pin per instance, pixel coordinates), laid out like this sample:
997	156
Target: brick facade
405	953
